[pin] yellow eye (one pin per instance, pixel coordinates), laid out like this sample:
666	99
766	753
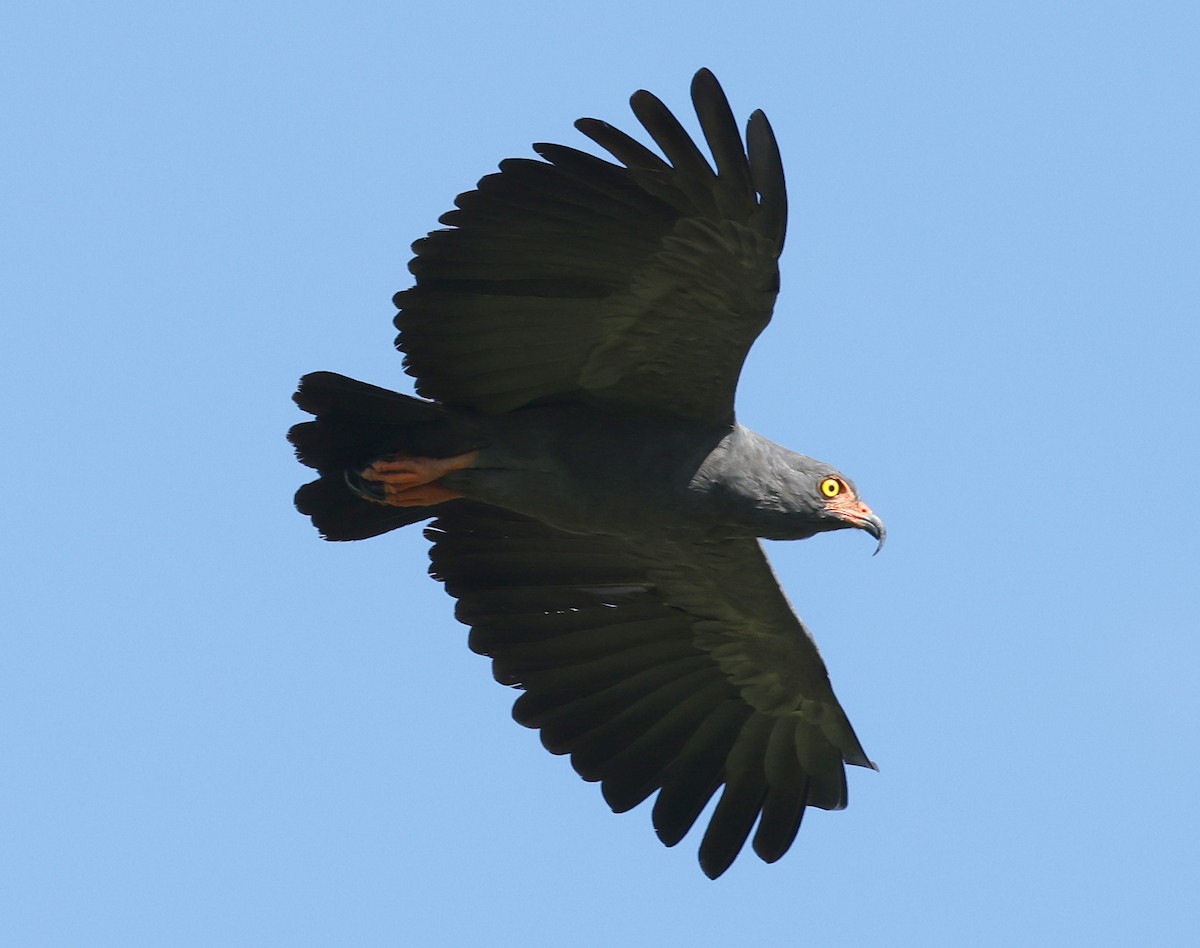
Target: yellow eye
831	487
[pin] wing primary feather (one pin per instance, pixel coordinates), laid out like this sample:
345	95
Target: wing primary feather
721	132
626	149
694	776
636	772
671	137
742	799
787	791
822	761
766	171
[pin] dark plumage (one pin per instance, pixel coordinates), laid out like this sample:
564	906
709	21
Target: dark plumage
578	330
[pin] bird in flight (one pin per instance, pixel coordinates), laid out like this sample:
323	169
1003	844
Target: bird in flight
576	333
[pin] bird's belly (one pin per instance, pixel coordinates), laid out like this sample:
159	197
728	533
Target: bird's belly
590	473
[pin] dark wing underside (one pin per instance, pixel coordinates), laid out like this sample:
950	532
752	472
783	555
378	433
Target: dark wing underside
675	680
573	277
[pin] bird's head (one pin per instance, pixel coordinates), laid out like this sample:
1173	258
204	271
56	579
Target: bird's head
835	500
816	498
782	495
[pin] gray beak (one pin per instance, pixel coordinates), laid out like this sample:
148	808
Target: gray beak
874	526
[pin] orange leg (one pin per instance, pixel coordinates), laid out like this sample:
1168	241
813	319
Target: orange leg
413	482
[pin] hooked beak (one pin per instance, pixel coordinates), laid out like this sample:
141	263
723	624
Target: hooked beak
874	526
864	518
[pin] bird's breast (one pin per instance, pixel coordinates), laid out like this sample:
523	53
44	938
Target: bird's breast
585	470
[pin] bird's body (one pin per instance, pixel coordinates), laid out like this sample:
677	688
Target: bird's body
627	477
639	479
579	330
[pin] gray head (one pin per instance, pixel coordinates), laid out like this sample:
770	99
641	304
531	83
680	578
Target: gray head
799	496
777	494
833	499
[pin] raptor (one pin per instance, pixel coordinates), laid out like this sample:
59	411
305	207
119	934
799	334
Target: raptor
576	333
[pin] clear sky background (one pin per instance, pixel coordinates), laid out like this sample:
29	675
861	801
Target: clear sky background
219	730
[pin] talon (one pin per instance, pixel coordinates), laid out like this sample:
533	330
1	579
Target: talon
403	481
367	490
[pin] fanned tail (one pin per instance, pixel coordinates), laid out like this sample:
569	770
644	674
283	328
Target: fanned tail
357	423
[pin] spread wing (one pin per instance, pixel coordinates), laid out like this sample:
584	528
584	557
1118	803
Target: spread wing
642	283
677	679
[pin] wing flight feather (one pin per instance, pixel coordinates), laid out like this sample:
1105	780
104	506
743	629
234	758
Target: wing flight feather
642	283
655	678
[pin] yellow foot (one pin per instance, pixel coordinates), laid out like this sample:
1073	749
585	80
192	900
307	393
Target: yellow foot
412	481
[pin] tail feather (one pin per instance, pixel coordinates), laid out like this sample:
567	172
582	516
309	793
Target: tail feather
333	395
357	423
340	514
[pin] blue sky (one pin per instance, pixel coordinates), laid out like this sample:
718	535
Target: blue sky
217	729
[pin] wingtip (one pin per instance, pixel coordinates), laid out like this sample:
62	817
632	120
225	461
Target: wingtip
766	172
705	77
643	98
